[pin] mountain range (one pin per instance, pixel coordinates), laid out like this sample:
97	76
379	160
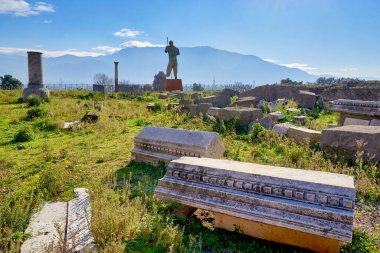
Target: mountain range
139	65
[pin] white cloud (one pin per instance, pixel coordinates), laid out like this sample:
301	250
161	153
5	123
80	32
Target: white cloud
270	60
127	33
301	66
23	8
47	21
135	43
55	53
107	49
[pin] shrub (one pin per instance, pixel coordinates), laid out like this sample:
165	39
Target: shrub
50	182
33	101
23	135
158	107
47	124
36	112
256	130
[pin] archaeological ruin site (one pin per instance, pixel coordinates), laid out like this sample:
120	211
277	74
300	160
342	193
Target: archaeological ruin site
128	148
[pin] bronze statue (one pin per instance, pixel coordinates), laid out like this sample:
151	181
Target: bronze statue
172	51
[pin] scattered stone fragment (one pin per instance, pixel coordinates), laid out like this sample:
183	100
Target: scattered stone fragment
90	117
163	96
172	106
345	141
222	100
300	119
98	106
276	116
196	97
150	106
230	92
301	135
71	125
246	102
272	106
209	99
243	115
375	122
282	128
266	122
306	99
86	106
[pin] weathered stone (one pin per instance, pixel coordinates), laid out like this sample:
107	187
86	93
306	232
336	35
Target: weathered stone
150	106
300	119
163	96
196	97
357	122
358	109
344	141
246	102
272	106
130	88
230	92
98	106
209	99
282	128
90	117
36	85
222	101
243	115
71	125
61	225
193	110
204	107
301	135
276	116
213	111
79	236
375	122
266	122
155	144
272	196
306	99
172	106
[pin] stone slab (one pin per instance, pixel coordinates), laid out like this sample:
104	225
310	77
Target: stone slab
209	99
155	144
282	128
375	122
306	99
246	102
357	122
243	114
343	141
222	100
266	122
46	228
276	116
301	135
314	202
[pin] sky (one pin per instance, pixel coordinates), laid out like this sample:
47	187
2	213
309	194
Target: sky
336	37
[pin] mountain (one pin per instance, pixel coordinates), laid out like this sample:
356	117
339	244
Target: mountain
139	65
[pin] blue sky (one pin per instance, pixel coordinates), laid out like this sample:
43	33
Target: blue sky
340	37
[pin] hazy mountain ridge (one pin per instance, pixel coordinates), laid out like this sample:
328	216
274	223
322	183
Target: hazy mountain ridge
139	65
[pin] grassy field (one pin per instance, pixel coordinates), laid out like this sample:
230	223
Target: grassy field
39	161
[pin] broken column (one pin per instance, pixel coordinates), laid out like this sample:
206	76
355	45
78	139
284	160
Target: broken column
116	76
304	208
35	85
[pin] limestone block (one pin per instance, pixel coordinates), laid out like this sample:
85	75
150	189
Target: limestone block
266	122
204	107
300	119
306	99
276	116
272	106
317	203
343	141
153	144
193	110
246	102
244	115
357	122
98	106
163	96
196	97
301	134
213	111
282	128
222	101
375	122
35	91
209	99
46	228
172	106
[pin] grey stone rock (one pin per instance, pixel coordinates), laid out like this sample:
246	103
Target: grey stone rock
243	115
196	97
35	91
344	141
282	128
314	202
276	116
300	119
222	101
375	122
306	99
155	144
302	135
98	106
357	122
272	106
71	125
246	102
209	99
90	117
230	92
266	122
204	107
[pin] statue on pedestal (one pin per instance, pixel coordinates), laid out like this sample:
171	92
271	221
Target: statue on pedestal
172	51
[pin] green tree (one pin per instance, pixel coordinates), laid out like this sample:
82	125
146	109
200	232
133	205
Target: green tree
10	83
198	87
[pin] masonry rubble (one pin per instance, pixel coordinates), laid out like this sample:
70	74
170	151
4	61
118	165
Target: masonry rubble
356	109
301	134
281	128
246	102
62	224
300	119
345	140
244	115
209	99
222	100
266	122
306	99
154	144
304	208
276	116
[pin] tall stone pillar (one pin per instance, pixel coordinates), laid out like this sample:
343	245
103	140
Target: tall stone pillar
116	76
36	84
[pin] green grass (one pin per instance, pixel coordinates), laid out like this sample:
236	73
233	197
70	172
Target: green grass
128	219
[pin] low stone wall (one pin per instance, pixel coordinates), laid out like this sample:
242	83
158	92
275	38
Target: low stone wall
156	144
301	135
315	205
244	115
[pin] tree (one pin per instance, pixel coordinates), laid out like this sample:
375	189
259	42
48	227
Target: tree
102	79
10	83
158	82
198	87
289	81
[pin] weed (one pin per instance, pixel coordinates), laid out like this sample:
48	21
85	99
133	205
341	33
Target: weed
23	135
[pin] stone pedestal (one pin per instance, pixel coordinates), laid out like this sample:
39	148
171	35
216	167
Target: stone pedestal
35	71
173	84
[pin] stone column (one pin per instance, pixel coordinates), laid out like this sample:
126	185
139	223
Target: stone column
116	76
35	85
